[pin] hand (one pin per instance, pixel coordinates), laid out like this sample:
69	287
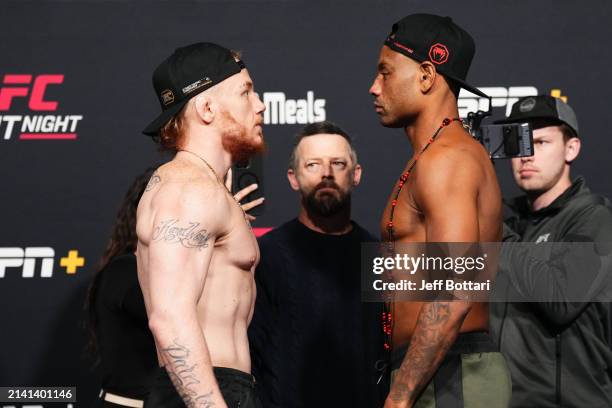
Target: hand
251	204
243	193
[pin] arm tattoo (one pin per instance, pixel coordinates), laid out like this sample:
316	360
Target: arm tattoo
153	181
183	378
190	236
428	346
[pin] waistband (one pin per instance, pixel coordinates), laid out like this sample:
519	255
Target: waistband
226	373
466	343
221	374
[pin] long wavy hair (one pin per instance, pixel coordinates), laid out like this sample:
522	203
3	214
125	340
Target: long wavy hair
123	240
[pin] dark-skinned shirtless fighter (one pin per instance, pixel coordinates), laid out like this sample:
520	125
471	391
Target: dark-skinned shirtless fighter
441	353
196	251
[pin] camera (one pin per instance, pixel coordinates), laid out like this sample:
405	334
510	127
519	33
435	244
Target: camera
501	141
506	141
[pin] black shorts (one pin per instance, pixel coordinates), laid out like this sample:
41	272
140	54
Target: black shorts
237	388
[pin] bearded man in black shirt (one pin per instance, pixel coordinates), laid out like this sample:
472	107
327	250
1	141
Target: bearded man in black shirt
313	342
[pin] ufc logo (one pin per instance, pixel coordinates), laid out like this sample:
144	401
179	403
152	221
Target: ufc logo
19	86
18	257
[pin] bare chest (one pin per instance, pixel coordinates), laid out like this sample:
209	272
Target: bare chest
403	215
239	245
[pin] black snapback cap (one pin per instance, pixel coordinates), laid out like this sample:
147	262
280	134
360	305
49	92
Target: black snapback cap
427	37
542	108
187	72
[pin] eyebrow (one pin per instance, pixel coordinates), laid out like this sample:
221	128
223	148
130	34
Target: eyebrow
330	158
247	85
383	65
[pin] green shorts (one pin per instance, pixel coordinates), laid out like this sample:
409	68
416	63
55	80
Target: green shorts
472	375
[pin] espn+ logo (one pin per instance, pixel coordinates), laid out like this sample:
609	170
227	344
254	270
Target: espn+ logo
26	259
36	261
500	97
34	88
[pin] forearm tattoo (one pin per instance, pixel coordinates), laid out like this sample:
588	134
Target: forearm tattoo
191	236
180	370
153	181
428	346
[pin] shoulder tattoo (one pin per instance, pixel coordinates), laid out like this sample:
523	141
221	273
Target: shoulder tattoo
153	181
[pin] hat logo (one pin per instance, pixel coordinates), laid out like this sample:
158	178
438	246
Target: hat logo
527	105
438	53
197	84
167	97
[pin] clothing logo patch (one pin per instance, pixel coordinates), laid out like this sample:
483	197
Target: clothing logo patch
438	53
167	97
403	47
527	105
198	84
542	238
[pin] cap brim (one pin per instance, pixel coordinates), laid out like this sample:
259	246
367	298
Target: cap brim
527	118
466	86
153	128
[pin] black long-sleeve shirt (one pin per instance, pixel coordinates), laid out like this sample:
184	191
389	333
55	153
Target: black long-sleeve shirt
313	342
128	360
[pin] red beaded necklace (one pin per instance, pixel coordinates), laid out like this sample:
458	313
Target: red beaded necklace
387	314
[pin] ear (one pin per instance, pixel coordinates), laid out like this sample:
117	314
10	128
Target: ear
357	175
205	108
426	76
572	149
293	181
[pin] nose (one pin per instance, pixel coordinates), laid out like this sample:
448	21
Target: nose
526	159
375	87
260	107
327	171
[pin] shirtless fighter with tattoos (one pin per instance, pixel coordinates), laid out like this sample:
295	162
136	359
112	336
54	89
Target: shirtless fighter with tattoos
196	251
441	355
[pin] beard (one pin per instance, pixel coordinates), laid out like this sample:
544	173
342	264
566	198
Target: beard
326	203
236	140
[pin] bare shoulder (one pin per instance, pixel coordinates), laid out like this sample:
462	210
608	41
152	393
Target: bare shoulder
454	161
188	192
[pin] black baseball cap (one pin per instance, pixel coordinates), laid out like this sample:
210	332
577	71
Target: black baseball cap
543	108
427	37
187	72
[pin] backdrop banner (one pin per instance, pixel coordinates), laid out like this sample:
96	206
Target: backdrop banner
75	93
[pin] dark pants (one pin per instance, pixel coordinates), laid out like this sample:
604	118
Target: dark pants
473	374
237	388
